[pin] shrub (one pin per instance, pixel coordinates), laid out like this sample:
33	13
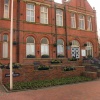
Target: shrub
16	65
1	66
45	56
72	59
30	56
60	56
55	44
56	61
69	68
43	67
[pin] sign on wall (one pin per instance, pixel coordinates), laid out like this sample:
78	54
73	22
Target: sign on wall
14	74
83	52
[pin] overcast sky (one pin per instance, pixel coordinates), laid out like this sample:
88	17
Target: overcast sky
96	4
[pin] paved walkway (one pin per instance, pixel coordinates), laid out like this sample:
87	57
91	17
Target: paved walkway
81	91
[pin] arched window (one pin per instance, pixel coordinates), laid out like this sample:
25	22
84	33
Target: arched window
5	46
44	46
30	46
75	43
75	49
89	49
60	47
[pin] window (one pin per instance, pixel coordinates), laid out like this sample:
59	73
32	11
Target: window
44	15
30	46
89	20
5	46
6	8
60	47
81	22
75	43
59	17
73	20
30	13
44	46
89	49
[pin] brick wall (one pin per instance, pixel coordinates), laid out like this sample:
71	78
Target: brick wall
28	73
49	31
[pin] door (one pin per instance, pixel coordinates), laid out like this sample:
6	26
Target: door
75	51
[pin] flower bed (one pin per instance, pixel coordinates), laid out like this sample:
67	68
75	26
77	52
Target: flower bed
47	83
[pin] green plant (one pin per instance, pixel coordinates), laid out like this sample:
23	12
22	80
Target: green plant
16	65
56	61
43	67
55	44
35	84
1	65
30	56
72	59
85	44
89	56
60	56
45	56
70	68
70	43
14	43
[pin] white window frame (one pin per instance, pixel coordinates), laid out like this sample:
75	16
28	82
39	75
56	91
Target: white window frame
45	45
58	16
7	10
73	21
30	44
89	20
43	12
30	10
61	46
82	22
89	49
5	43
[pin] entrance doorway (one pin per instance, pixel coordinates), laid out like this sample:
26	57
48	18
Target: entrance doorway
75	52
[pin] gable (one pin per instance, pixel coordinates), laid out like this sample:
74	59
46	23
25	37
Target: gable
81	4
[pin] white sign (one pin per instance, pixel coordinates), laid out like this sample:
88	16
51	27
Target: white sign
83	53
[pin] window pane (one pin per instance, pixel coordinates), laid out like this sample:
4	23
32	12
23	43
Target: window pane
59	17
5	38
30	49
6	1
6	8
81	22
59	41
5	49
44	49
30	40
30	16
44	41
44	15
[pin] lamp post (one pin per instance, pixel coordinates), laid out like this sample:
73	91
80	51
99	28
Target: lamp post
11	49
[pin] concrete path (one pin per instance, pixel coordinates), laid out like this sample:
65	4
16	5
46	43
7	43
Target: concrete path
81	91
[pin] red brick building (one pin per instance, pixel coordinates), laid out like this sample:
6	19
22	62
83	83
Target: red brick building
45	28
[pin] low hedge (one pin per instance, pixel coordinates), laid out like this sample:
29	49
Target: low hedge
47	83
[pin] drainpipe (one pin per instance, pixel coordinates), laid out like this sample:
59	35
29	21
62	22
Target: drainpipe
18	28
55	30
66	31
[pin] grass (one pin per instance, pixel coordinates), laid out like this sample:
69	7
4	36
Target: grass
47	83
